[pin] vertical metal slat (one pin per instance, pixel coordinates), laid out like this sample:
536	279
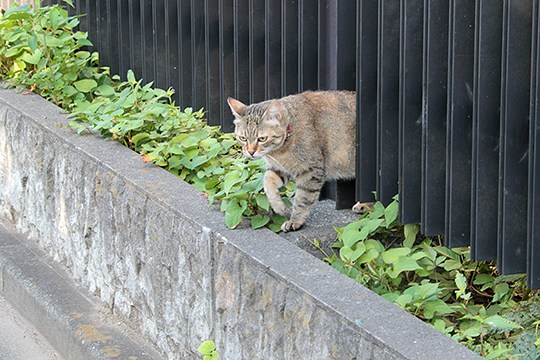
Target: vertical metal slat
272	49
308	30
515	97
227	74
388	100
486	125
290	49
257	41
533	238
198	53
459	129
434	116
366	92
214	95
242	61
410	111
160	55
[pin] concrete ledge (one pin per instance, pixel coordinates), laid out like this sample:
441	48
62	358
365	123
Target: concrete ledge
149	246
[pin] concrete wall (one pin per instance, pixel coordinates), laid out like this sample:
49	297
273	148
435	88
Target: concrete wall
149	246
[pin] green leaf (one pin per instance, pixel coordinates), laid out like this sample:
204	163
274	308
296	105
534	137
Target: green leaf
498	353
377	211
359	230
436	307
472	332
33	43
207	347
193	163
277	221
262	201
403	300
447	252
56	17
233	214
500	291
17	13
403	264
350	255
368	256
499	322
131	77
392	255
140	136
105	90
461	281
482	279
85	85
440	325
84	42
425	291
410	231
69	91
232	178
391	213
452	264
258	221
33	58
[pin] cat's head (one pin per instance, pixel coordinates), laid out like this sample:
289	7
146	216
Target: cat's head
260	128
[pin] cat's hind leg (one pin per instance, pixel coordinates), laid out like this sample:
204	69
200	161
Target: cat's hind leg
362	208
272	182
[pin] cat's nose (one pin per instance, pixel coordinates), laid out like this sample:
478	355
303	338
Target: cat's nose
251	149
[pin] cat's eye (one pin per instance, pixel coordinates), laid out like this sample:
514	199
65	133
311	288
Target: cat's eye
262	139
242	138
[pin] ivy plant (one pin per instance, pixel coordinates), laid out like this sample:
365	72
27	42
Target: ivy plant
40	49
467	300
208	350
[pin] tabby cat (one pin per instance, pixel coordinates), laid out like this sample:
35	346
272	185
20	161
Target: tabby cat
309	137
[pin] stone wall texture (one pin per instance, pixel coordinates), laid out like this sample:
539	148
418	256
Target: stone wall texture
152	249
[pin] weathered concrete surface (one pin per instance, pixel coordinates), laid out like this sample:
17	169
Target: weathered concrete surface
152	249
77	325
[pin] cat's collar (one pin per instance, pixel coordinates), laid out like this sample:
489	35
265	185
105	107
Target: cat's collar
289	132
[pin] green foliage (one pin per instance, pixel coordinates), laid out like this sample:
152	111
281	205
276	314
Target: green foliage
461	298
208	349
40	50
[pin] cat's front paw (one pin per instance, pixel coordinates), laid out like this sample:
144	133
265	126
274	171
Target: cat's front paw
282	210
291	225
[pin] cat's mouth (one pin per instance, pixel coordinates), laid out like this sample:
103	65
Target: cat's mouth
256	155
253	156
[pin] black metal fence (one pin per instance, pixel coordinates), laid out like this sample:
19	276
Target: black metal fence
448	95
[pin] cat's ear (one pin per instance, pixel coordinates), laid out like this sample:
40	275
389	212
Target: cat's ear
274	111
237	107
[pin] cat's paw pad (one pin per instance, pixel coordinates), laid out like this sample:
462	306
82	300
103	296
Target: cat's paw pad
362	208
291	226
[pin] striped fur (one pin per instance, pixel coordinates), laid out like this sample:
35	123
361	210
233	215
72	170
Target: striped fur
308	137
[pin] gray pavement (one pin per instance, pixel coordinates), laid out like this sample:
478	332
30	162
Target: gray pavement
19	339
73	321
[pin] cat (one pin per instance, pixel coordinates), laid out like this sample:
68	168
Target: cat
308	137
